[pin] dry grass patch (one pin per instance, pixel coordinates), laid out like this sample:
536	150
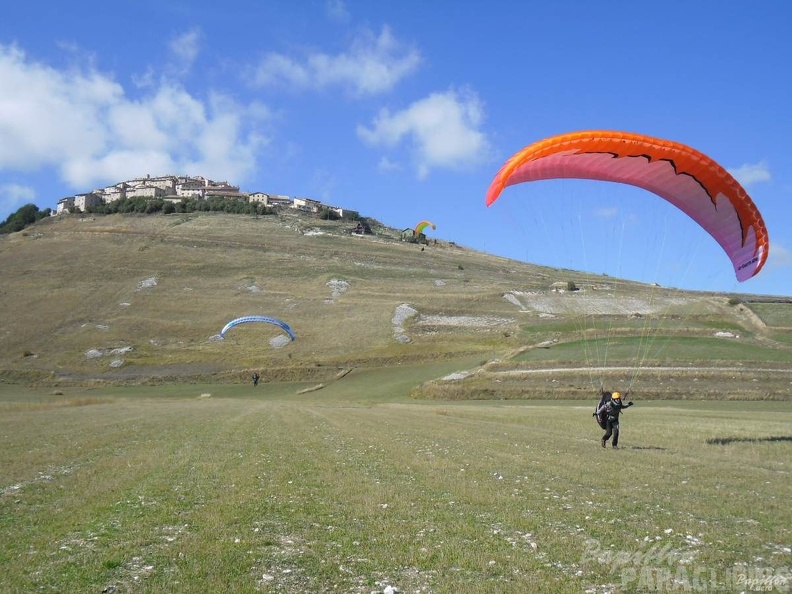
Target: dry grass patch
176	280
330	492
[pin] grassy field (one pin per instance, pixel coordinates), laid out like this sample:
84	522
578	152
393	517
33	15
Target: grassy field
429	431
356	488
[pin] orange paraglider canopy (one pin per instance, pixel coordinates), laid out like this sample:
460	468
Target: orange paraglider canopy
683	176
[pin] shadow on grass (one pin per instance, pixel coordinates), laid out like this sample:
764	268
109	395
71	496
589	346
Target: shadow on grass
728	440
646	448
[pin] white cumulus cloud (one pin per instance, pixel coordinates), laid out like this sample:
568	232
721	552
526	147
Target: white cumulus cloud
373	64
184	49
13	196
442	130
779	257
386	165
751	173
337	11
82	123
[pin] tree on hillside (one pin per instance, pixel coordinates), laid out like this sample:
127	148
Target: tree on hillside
24	217
327	214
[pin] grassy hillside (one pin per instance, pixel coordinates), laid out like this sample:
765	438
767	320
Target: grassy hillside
393	446
141	298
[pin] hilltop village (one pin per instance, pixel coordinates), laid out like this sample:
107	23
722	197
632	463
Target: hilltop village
178	188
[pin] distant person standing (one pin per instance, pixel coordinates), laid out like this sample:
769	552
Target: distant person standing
256	378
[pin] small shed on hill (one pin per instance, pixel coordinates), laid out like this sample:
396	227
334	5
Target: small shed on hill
362	228
408	235
564	286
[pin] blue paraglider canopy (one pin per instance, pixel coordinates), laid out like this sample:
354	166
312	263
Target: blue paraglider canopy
265	319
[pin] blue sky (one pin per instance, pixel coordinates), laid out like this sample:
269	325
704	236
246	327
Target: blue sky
404	111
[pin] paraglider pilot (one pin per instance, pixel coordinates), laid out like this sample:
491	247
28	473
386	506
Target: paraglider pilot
256	378
607	414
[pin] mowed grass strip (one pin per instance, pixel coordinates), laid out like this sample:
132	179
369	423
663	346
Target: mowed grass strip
320	494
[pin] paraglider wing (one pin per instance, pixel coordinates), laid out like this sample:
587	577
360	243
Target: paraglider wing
423	225
683	176
266	319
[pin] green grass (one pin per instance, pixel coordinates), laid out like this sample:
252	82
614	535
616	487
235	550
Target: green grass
776	315
658	350
356	487
784	338
354	466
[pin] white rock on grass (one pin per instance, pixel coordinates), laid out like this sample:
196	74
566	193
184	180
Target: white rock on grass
96	353
338	287
147	283
459	375
511	298
403	313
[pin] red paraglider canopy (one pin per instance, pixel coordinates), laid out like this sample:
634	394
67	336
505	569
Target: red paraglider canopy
683	176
